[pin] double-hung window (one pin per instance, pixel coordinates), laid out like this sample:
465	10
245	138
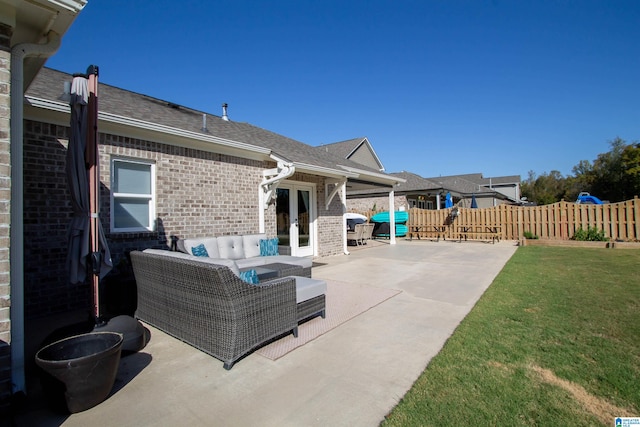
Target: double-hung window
132	195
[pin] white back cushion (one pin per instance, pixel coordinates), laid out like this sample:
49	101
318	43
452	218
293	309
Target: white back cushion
210	244
251	244
230	247
217	261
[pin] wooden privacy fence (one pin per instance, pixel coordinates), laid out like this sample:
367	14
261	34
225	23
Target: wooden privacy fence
559	221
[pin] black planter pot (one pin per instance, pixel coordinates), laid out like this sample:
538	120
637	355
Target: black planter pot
82	369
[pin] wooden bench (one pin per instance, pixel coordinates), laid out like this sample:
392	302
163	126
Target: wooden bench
479	232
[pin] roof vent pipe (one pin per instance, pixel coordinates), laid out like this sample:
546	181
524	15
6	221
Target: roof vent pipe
224	112
204	122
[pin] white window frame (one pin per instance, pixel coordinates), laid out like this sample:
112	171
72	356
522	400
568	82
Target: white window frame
119	196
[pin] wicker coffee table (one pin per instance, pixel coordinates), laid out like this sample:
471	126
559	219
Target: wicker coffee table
282	269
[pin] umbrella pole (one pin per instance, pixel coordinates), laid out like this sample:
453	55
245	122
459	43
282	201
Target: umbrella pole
92	160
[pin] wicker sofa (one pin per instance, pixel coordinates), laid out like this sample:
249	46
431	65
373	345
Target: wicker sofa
241	252
207	306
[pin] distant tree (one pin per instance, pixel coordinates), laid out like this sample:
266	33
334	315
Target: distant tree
631	166
580	181
613	176
544	189
607	176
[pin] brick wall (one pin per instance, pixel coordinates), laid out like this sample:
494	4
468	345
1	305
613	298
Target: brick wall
5	213
197	194
381	203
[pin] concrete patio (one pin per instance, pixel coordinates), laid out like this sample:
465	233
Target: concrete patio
351	376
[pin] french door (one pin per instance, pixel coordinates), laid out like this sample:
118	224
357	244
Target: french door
295	213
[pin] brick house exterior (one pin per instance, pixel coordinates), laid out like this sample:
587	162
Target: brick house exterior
201	189
195	199
207	180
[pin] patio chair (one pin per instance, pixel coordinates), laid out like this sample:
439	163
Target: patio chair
368	232
357	234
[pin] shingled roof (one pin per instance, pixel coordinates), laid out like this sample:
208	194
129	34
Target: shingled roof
49	84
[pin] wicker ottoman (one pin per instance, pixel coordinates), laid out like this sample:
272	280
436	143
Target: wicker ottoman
310	297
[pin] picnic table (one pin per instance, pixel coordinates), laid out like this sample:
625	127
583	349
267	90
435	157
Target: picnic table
438	230
479	232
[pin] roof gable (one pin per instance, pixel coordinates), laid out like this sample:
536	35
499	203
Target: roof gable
358	150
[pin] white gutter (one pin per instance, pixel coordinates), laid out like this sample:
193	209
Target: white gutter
16	251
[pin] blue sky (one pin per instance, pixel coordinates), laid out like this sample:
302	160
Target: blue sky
439	87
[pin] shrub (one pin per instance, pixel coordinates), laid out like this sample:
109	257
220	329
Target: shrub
530	235
591	234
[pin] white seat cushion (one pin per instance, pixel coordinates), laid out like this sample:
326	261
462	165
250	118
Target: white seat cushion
307	288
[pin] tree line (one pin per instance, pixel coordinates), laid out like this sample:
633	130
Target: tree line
613	176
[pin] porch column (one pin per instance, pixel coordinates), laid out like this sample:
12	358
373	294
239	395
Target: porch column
438	201
343	200
261	209
392	219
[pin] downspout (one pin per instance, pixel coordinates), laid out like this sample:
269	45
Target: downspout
270	181
18	53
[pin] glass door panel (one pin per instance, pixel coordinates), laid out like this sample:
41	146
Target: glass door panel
283	217
304	226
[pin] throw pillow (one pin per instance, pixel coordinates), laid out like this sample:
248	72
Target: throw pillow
269	247
250	276
199	250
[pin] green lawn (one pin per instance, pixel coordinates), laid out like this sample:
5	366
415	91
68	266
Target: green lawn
555	340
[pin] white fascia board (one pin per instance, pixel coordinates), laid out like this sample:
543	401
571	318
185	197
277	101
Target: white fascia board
133	128
74	6
324	171
373	176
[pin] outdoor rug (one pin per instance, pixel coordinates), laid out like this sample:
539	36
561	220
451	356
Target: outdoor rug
344	301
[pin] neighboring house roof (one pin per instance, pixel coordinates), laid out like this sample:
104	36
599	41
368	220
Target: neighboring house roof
151	116
359	150
461	185
458	185
506	187
412	182
415	182
480	180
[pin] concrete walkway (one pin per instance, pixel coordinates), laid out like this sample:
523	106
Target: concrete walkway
351	376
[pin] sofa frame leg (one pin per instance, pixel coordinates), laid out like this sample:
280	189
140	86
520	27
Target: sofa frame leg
295	332
228	365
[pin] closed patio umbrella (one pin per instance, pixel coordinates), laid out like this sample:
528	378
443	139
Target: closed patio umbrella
474	204
89	253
